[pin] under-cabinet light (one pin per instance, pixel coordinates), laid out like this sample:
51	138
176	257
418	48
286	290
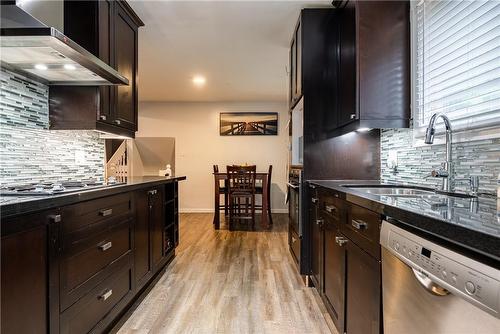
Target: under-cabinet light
41	67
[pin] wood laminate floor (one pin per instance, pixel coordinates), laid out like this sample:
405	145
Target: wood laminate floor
230	282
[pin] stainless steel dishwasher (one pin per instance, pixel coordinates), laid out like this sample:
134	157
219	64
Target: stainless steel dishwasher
428	288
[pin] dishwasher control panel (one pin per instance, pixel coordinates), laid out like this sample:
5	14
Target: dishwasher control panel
458	274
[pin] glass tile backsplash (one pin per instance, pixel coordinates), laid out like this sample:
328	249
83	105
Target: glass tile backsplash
29	152
480	158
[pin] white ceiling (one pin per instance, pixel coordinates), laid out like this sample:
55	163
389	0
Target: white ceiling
241	47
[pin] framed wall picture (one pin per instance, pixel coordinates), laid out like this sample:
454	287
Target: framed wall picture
249	124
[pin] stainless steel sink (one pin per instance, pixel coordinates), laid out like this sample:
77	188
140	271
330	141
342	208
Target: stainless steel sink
393	191
403	191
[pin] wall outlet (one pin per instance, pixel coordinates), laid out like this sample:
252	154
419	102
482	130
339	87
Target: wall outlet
392	160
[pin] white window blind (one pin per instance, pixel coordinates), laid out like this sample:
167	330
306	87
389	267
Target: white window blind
456	59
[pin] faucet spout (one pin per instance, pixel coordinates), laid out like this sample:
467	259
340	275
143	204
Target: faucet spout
429	139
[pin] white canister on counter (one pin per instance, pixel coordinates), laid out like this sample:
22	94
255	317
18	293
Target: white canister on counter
168	171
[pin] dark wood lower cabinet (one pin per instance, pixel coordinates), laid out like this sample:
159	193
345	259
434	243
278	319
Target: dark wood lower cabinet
78	268
334	281
157	223
363	286
142	259
347	274
91	310
317	245
24	297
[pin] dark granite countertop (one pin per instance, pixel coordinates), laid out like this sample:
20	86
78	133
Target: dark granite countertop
16	205
473	226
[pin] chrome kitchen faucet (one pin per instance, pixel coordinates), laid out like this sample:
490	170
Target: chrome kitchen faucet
446	170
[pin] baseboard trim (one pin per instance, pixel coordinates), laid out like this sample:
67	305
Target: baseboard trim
211	210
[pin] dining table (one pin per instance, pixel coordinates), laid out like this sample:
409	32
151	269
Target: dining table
259	176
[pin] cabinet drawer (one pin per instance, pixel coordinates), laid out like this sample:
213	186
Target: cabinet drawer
83	316
363	228
331	205
83	216
82	267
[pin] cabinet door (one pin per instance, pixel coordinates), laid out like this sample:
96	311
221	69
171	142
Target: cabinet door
317	242
347	67
298	66
125	42
157	221
24	282
106	54
363	302
293	71
142	261
334	281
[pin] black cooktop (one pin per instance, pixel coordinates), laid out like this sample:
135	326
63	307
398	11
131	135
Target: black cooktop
52	187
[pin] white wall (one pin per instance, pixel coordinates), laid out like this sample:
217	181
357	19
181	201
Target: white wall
195	127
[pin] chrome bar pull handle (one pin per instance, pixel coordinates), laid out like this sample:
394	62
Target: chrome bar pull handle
106	212
106	246
55	218
341	241
359	224
330	208
106	295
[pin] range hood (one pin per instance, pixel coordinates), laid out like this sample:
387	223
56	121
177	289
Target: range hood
47	55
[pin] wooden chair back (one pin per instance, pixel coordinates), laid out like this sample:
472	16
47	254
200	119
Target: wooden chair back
269	174
241	179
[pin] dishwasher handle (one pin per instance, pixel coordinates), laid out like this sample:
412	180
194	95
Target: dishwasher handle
429	285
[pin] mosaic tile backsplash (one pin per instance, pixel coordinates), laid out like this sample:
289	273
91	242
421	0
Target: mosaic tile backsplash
29	152
481	158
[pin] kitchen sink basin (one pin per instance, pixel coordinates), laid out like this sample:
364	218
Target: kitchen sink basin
403	191
392	191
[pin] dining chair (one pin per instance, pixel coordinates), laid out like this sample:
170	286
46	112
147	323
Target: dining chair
222	191
241	184
259	191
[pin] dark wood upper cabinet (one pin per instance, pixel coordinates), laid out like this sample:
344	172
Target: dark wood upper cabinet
374	66
355	67
313	68
109	30
126	37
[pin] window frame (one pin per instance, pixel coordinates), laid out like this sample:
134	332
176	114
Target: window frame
462	135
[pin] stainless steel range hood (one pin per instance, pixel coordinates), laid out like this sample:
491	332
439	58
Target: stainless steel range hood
47	55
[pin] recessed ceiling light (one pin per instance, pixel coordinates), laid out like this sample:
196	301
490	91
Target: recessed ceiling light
199	80
363	129
41	67
69	67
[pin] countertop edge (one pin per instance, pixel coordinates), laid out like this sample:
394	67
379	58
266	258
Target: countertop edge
10	210
426	226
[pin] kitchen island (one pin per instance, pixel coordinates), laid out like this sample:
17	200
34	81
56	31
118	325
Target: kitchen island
76	262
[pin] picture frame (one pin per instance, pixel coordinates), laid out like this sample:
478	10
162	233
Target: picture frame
248	124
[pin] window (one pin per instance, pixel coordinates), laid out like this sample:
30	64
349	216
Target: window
456	62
